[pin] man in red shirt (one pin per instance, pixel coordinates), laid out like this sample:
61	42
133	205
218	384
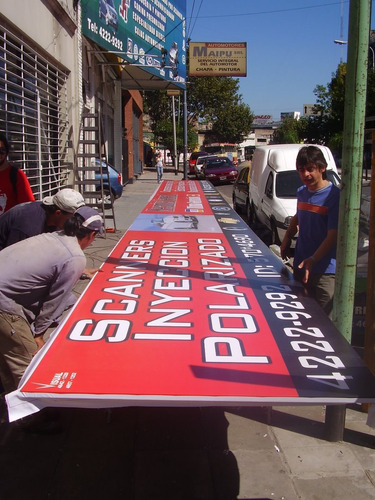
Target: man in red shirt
14	186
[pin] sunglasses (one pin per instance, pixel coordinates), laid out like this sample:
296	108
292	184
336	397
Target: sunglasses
3	151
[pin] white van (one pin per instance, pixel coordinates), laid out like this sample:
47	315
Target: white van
273	185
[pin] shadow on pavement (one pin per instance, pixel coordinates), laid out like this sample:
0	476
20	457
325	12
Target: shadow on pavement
132	453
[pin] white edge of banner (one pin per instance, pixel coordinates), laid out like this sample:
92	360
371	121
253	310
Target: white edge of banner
20	407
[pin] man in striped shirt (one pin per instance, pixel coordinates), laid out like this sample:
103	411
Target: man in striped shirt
316	221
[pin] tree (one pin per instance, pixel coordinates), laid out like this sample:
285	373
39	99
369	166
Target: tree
215	100
163	130
288	132
327	125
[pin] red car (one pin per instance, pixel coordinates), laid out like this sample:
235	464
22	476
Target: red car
193	160
219	170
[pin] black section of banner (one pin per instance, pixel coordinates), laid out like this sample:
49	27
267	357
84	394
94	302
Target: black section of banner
320	361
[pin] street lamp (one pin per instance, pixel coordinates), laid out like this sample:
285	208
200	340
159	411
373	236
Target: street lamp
341	42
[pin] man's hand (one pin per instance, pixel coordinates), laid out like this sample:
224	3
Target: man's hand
308	264
39	340
285	249
88	274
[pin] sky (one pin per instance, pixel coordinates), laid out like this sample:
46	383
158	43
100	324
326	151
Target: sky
290	45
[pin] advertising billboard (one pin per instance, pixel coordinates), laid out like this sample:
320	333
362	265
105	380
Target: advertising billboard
217	59
191	308
145	33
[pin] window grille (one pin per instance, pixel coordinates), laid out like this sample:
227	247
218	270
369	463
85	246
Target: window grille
34	113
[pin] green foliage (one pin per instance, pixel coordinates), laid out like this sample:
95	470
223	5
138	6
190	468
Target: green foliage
215	100
327	126
163	130
233	123
206	96
288	132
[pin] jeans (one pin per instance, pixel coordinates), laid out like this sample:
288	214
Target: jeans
159	172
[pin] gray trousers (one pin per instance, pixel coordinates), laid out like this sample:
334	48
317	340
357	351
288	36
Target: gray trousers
321	287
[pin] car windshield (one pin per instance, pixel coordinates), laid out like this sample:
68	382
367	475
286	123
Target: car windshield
219	163
288	182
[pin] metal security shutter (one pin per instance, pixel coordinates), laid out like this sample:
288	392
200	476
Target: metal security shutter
34	113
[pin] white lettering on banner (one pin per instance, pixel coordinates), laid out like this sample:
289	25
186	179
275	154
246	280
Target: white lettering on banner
219	276
234	352
165	272
111	330
225	322
172	285
166	321
127	276
206	263
173	263
163	336
247	321
241	300
125	291
99	307
279	298
139	250
174	250
171	290
166	298
242	303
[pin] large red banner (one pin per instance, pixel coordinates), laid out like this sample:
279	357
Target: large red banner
192	308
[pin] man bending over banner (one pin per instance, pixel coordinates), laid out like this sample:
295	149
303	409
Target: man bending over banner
36	282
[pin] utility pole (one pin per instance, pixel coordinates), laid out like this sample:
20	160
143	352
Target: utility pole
174	93
185	136
351	176
351	185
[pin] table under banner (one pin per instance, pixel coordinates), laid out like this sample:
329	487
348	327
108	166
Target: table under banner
192	309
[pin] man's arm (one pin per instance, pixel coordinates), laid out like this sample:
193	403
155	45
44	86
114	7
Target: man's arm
287	240
327	244
60	294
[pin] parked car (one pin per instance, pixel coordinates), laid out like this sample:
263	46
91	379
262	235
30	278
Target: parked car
193	159
107	10
219	170
273	186
115	187
199	164
240	195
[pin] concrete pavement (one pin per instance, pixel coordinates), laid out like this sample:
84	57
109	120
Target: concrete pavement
186	453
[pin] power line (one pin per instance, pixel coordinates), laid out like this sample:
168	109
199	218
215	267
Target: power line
271	11
191	31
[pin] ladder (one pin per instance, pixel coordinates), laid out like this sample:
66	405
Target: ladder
90	169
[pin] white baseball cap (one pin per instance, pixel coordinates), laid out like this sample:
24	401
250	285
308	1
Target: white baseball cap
68	200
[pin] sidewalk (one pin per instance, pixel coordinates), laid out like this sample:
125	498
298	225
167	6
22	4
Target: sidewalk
186	453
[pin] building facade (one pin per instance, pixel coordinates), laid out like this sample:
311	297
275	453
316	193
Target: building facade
51	72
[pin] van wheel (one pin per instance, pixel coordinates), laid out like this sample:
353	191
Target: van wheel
250	214
275	235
